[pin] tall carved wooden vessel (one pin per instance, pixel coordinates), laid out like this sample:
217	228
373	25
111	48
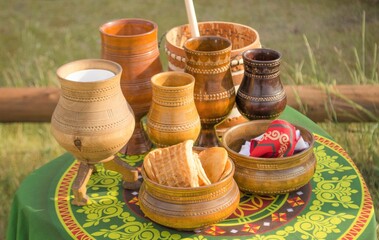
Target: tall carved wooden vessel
208	60
261	94
92	120
133	44
172	117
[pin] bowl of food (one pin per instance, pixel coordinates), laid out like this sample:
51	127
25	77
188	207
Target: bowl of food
268	176
187	190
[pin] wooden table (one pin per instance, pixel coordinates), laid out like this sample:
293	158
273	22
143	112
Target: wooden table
335	204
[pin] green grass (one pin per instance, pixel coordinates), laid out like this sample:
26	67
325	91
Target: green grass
25	147
322	42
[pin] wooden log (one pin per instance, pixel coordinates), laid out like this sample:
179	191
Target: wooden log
27	104
342	103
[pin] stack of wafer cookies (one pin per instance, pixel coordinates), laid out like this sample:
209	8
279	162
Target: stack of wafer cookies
179	166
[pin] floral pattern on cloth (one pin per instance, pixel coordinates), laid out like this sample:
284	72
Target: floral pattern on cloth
336	204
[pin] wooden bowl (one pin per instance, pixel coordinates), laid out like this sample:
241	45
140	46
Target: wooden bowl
189	208
242	37
268	176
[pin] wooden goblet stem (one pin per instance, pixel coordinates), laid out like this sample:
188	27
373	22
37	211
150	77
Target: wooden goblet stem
79	187
138	144
207	137
129	174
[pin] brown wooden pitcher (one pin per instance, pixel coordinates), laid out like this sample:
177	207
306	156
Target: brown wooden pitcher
208	60
172	117
133	44
261	94
92	120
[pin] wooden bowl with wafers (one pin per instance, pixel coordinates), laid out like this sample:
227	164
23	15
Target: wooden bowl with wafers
168	195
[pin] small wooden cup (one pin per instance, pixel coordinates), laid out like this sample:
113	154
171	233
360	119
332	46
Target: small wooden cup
172	117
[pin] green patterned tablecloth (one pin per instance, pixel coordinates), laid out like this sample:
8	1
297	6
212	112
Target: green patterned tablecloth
335	204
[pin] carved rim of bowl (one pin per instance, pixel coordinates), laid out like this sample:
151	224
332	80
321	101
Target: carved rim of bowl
222	45
273	57
247	28
128	22
84	64
190	191
245	160
172	80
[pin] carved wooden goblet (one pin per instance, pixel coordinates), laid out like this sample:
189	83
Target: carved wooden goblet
133	43
172	117
261	94
208	60
93	121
